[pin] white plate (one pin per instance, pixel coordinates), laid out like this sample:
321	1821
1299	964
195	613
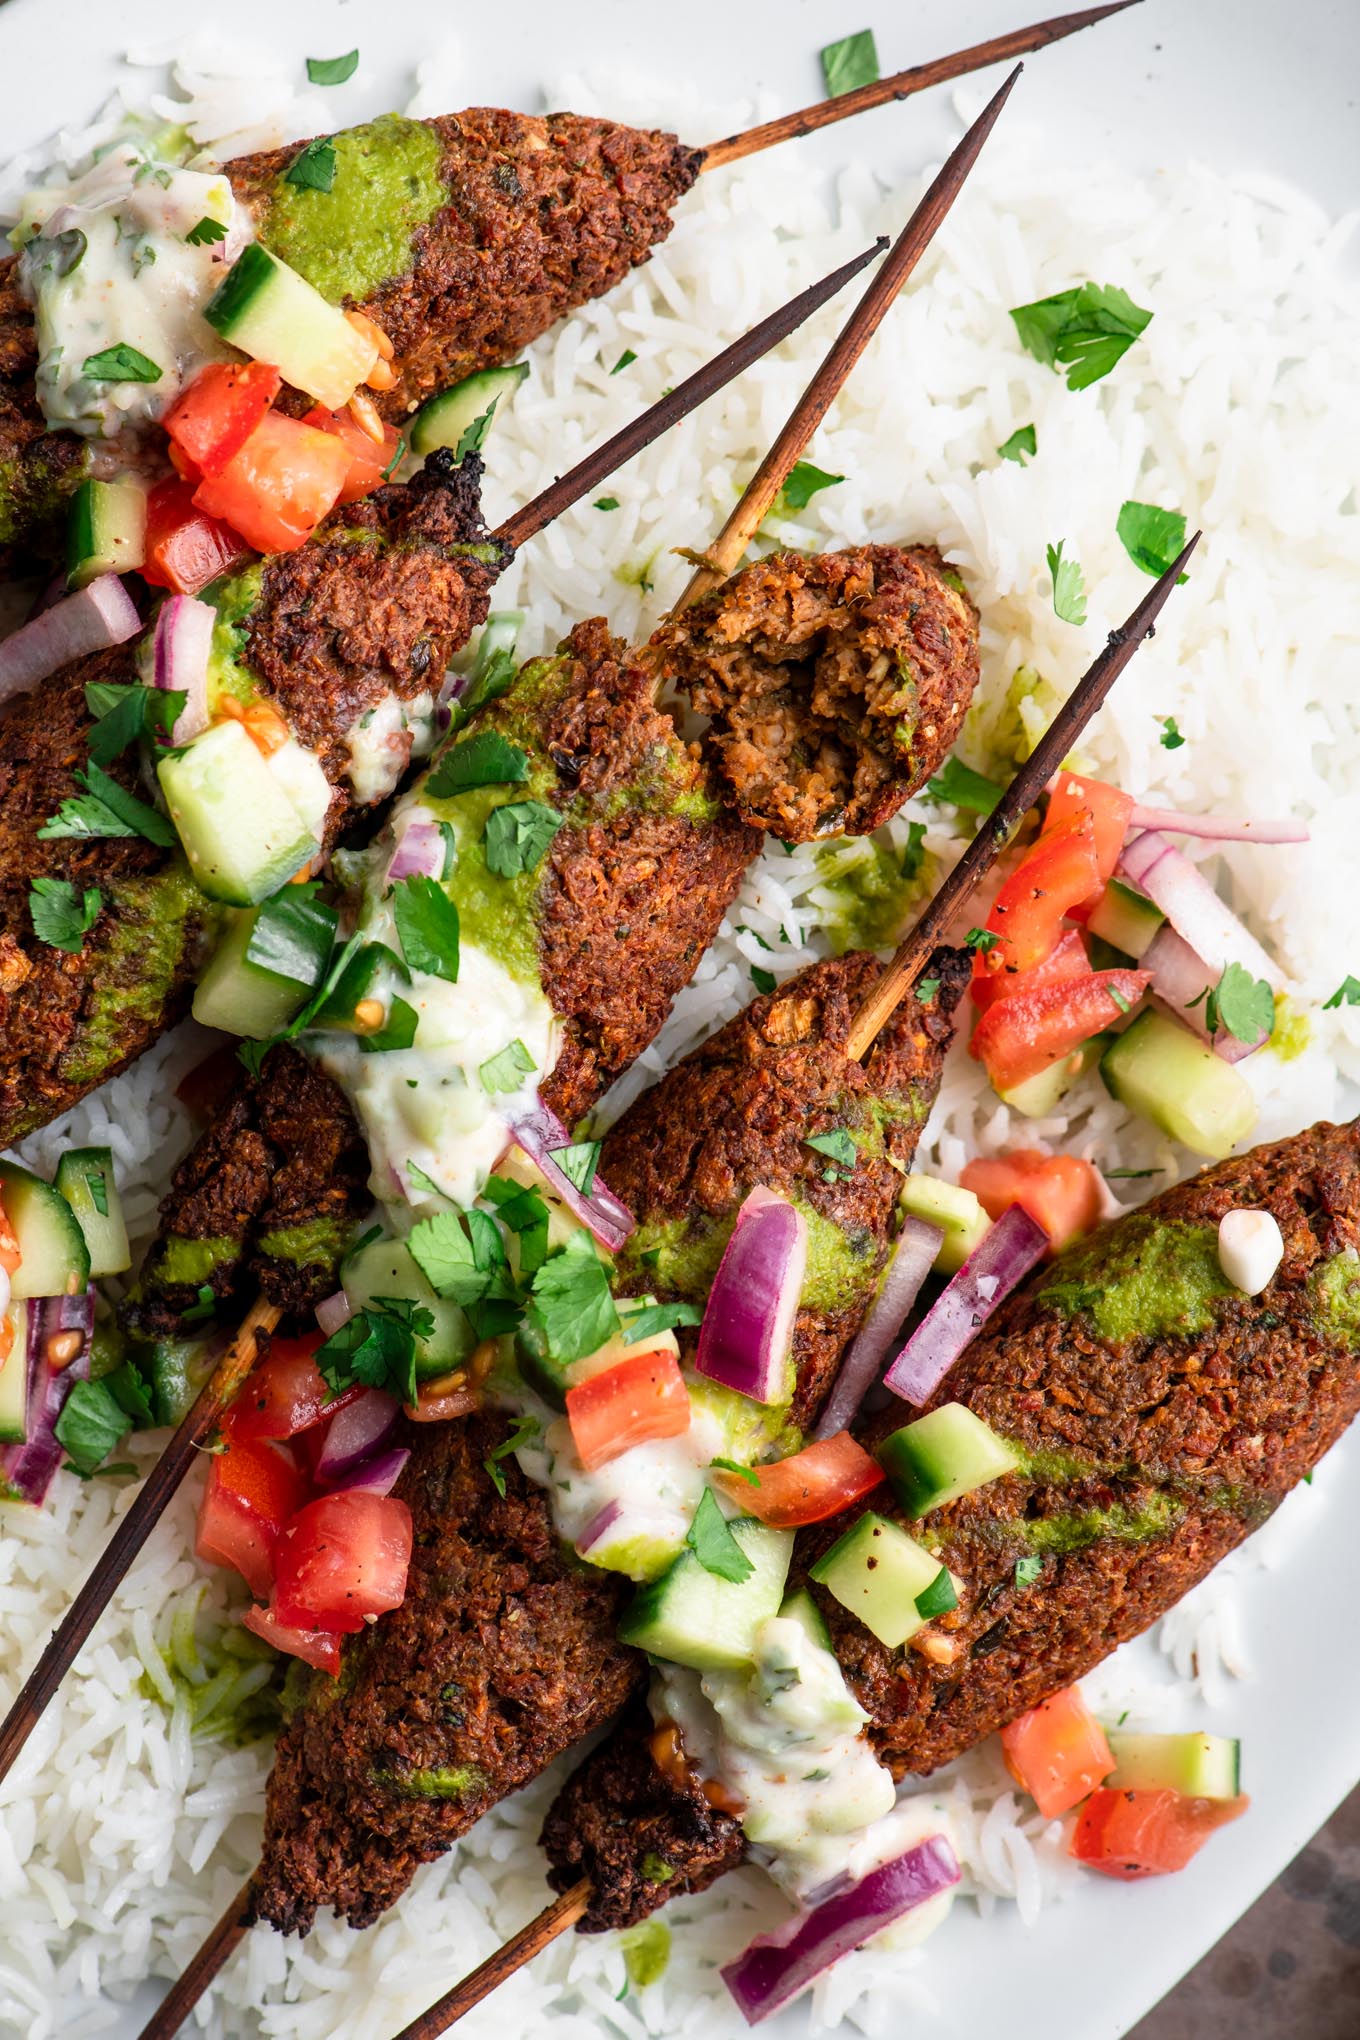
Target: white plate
1213	80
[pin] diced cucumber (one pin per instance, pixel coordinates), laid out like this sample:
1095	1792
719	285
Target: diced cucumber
1159	1068
299	772
1124	918
802	1609
1039	1096
449	417
175	1370
877	1572
107	530
493	669
941	1456
691	1617
268	310
14	1378
640	1549
266	963
1201	1766
386	1268
242	835
85	1179
956	1211
54	1259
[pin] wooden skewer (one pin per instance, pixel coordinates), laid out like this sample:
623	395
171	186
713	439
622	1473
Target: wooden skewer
113	1563
995	832
991	839
999	49
225	1938
725	552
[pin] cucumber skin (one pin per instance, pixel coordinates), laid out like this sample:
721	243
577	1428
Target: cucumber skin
14	1380
251	273
60	1262
1163	1072
941	1457
105	1232
445	418
650	1620
1198	1766
845	1572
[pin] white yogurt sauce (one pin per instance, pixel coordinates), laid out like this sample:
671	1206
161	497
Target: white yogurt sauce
105	261
382	743
658	1486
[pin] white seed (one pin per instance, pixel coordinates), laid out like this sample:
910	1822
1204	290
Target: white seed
1250	1249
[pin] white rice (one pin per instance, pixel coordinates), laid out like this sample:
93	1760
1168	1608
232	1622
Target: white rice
121	1835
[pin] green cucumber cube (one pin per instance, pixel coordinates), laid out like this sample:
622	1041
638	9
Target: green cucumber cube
85	1179
801	1608
53	1257
241	832
956	1211
268	310
445	418
388	1268
1126	919
1200	1766
107	530
941	1456
14	1378
1041	1095
691	1617
1160	1069
877	1572
238	992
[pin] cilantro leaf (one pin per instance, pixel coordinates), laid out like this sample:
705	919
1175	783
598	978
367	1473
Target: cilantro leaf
1347	993
120	364
91	1423
127	712
659	1317
293	936
332	70
763	980
1171	738
957	785
524	1429
1087	330
523	1212
107	809
746	1473
472	437
1069	585
207	233
803	482
518	836
927	989
314	168
713	1544
377	1347
251	1054
427	927
939	1597
838	1145
487	759
1024	440
1152	538
606	503
130	1392
506	1070
1028	1570
981	939
415	1174
851	62
443	1250
397	1031
570	1300
1242	1005
914	856
625	360
578	1163
60	918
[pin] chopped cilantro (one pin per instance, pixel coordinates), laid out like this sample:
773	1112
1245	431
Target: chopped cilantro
207	233
91	1423
658	1317
204	1309
1347	993
1024	440
127	712
578	1163
427	927
939	1597
473	436
713	1544
570	1300
518	836
1152	538
377	1347
849	63
1069	585
1119	999
914	856
1087	330
415	1174
121	364
927	989
314	168
487	759
804	480
763	980
981	939
506	1070
746	1473
957	785
606	502
625	360
1171	738
523	1212
1028	1570
838	1145
1242	1005
524	1429
251	1054
60	918
332	70
107	809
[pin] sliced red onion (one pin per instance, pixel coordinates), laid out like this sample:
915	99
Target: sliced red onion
1193	908
180	647
913	1258
776	1967
748	1319
1213	829
375	1476
100	615
1014	1245
619	1522
355	1433
334	1311
420	853
27	1469
1180	979
538	1131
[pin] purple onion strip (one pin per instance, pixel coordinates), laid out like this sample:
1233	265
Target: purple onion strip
913	1258
1014	1245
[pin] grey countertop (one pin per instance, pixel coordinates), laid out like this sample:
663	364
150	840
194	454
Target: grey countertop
1290	1968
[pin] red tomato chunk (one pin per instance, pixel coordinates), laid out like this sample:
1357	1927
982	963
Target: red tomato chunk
341	1560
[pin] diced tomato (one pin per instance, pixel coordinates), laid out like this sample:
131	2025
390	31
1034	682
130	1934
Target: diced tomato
253	1489
1108	807
286	1394
638	1400
278	486
319	1648
1057	1752
370	459
1027	918
1062	1193
215	415
1068	960
1147	1834
186	548
342	1559
10	1256
820	1481
1019	1036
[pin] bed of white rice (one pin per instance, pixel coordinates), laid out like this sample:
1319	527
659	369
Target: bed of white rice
122	1835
